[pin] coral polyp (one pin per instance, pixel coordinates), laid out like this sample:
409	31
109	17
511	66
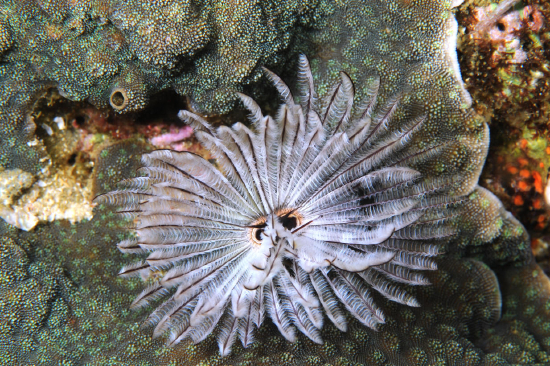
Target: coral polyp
310	213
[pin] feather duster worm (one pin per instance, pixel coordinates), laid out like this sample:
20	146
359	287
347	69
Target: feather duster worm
309	213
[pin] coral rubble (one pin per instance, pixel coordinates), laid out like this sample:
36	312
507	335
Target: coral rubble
56	197
12	183
506	69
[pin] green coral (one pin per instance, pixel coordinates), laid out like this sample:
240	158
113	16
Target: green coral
158	42
85	319
31	302
410	47
18	146
6	39
119	53
202	47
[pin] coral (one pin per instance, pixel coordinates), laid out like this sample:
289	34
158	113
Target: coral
518	176
29	301
410	45
460	305
116	162
12	183
56	197
129	92
505	68
158	42
521	337
504	33
121	52
421	59
19	147
27	199
487	18
6	39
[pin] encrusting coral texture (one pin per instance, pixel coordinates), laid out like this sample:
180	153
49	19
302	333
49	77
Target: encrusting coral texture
486	303
117	54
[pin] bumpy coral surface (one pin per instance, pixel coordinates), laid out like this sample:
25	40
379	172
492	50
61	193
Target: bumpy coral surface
32	301
118	53
488	302
19	147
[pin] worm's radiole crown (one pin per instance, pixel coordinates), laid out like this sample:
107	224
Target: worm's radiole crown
309	213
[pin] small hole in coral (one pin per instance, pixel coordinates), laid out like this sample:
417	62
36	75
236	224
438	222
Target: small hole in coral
501	27
72	159
79	120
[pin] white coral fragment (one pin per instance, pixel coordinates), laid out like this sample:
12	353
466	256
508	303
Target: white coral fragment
26	201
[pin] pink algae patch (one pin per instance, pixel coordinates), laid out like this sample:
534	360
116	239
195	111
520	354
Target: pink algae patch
174	139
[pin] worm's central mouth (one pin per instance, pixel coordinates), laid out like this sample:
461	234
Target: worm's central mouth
289	218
